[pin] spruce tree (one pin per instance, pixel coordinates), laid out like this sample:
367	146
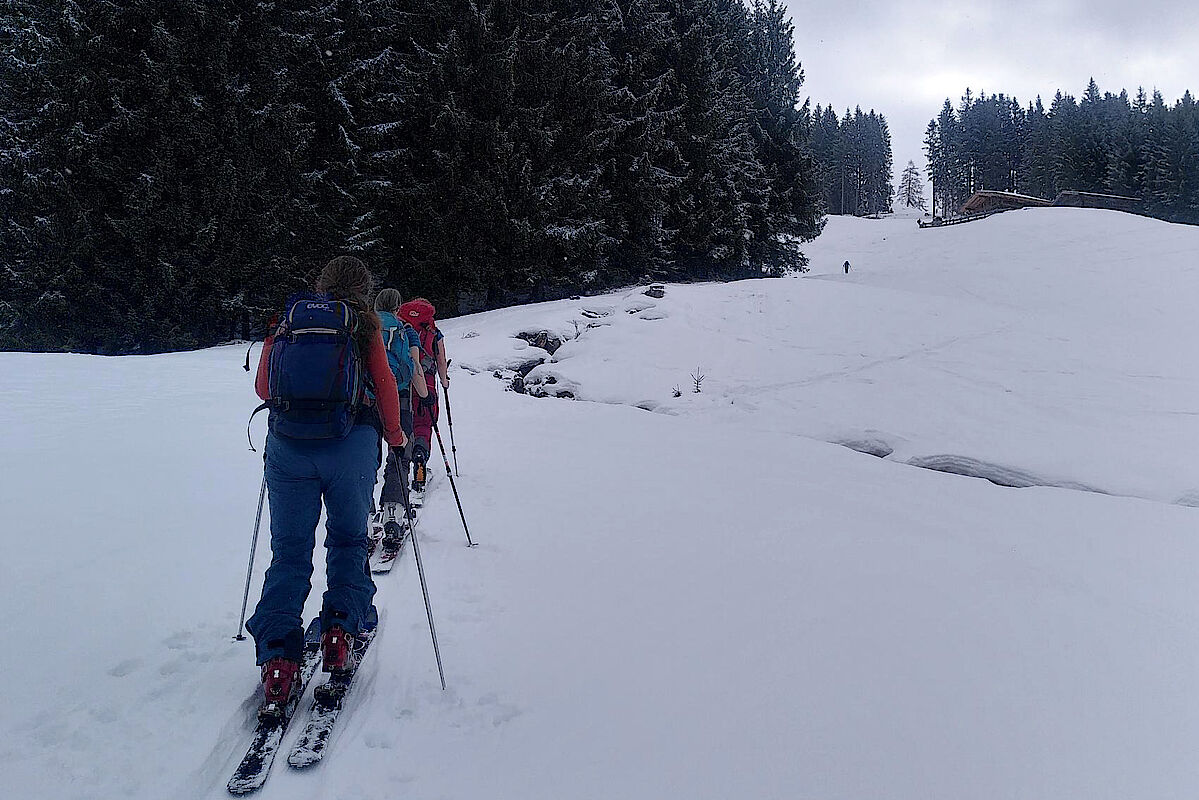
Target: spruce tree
723	187
1125	159
936	158
1175	163
781	131
827	149
880	187
911	191
1035	175
1090	142
639	153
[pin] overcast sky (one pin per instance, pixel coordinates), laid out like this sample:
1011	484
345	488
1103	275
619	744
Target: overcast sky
904	57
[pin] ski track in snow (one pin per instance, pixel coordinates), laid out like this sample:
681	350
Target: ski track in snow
715	600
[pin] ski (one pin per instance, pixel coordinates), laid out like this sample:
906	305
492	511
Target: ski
386	557
327	702
382	557
253	770
374	533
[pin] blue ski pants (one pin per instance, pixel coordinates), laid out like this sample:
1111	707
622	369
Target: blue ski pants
300	473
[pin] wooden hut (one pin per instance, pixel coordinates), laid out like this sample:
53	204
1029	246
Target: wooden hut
1112	202
990	202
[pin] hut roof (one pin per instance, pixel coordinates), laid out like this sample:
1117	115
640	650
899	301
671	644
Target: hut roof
987	198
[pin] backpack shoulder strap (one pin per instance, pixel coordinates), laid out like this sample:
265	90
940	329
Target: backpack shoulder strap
428	348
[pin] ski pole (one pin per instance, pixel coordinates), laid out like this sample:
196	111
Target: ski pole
420	569
449	415
241	637
469	542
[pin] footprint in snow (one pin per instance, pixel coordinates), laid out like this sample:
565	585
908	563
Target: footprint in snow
105	715
126	667
378	740
172	667
179	641
499	713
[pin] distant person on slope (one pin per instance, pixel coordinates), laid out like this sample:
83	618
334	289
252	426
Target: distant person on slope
403	354
419	313
846	267
323	444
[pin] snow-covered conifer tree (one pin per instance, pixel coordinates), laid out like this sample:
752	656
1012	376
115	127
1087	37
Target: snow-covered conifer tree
911	190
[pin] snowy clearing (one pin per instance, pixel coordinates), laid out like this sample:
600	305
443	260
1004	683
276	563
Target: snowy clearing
724	598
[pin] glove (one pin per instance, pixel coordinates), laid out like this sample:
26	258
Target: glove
395	438
427	403
445	382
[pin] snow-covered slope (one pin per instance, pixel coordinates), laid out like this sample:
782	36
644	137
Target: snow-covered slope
711	601
1045	347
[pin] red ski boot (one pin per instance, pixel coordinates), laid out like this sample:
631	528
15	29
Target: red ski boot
336	646
280	677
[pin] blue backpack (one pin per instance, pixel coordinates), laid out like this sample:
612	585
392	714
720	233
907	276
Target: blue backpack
399	356
315	373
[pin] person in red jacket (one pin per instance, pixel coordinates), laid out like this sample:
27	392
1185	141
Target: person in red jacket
434	364
340	472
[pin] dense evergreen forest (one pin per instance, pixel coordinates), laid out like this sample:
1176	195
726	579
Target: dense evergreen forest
1105	143
171	171
853	156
